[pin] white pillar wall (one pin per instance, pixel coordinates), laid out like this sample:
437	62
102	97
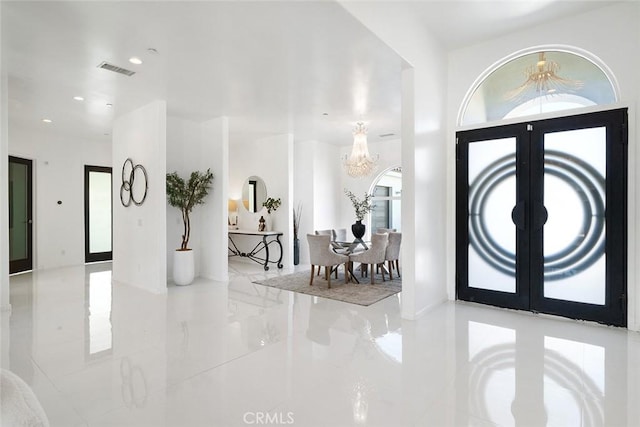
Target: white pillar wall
139	232
4	207
424	162
215	154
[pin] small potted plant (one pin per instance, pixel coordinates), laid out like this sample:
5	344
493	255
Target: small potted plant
185	195
271	205
361	208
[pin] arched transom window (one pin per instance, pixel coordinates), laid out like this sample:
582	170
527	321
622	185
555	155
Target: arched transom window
538	82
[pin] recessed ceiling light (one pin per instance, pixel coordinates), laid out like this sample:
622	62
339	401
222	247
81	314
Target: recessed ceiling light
135	60
109	105
152	51
325	114
47	120
78	98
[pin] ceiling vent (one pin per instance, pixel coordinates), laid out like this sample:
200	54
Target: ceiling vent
106	66
385	135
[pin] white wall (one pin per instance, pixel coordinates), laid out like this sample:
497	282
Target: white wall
424	161
58	172
215	154
139	232
5	305
617	43
272	160
327	187
303	191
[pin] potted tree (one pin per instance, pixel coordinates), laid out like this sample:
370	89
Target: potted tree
185	195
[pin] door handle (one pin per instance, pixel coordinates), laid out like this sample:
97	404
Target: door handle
540	216
519	215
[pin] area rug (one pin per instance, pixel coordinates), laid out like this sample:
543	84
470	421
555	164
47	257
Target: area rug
362	294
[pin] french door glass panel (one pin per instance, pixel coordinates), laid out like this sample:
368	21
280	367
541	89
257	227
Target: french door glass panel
19	212
575	199
20	215
492	196
99	212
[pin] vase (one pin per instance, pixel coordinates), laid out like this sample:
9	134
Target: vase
296	251
183	267
358	229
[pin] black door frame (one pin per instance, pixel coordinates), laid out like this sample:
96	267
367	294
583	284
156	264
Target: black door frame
529	235
95	256
26	264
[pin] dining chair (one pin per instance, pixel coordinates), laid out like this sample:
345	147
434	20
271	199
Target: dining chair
373	256
326	233
385	230
392	254
321	255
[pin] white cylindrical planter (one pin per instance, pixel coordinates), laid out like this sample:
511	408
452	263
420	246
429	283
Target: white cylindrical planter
183	267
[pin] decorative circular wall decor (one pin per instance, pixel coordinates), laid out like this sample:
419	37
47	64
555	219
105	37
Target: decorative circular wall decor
129	174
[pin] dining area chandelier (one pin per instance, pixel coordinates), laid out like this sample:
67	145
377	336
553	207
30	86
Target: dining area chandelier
360	163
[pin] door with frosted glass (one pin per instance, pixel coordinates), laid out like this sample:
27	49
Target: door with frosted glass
543	226
97	203
20	215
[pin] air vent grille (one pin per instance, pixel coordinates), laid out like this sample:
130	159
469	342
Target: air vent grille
106	66
384	135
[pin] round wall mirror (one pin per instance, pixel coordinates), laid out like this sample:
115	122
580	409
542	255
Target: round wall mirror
254	193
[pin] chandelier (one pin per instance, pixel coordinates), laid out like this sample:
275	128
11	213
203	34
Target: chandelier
543	79
360	163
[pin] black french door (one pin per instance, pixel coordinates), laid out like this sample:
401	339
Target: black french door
541	216
97	214
20	215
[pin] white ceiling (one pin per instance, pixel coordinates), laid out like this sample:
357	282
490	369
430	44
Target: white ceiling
271	67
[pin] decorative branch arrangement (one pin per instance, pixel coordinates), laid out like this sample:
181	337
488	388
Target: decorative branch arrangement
297	214
186	195
361	207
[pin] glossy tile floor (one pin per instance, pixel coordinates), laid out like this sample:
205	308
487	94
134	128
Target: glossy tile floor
213	354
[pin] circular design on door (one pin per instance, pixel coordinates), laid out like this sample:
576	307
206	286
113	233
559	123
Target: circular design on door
579	254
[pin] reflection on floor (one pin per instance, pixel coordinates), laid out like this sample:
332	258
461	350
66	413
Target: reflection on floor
217	354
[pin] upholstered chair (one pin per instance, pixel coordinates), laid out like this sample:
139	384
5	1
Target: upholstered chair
326	233
393	253
340	235
321	255
373	256
339	241
385	230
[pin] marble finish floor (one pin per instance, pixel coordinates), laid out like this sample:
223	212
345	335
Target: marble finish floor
237	354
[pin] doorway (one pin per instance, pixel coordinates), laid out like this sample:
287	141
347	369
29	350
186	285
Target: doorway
20	215
541	216
97	213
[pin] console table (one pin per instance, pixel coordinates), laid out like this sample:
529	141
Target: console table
267	238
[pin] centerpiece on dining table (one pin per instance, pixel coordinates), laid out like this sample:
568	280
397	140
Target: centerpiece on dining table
361	207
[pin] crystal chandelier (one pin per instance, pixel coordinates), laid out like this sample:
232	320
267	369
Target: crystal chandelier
543	79
360	163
